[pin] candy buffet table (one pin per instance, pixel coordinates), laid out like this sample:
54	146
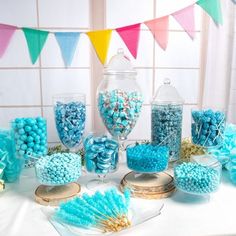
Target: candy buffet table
181	216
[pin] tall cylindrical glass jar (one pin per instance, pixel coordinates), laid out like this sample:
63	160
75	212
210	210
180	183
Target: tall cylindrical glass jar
166	119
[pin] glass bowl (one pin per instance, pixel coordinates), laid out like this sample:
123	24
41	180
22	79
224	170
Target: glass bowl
200	176
147	158
58	169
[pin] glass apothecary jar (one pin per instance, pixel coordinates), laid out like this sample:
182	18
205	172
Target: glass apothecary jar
166	119
119	97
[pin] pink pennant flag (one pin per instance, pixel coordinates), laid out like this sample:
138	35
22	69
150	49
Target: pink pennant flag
186	19
130	35
159	28
6	33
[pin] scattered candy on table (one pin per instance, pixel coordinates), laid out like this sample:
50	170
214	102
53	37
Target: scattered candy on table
119	111
10	163
30	136
101	154
58	169
70	122
189	149
167	128
106	211
196	178
147	158
208	127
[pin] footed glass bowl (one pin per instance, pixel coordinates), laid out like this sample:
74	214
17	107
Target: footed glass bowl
147	158
58	169
198	177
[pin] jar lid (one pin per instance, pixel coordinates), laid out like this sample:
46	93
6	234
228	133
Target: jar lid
119	64
167	94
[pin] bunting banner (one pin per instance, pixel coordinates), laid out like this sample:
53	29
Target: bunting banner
67	42
100	39
213	9
160	30
6	33
130	35
186	19
35	41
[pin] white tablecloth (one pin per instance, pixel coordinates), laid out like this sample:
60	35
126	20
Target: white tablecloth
20	215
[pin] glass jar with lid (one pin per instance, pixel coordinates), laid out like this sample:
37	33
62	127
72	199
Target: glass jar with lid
166	119
119	97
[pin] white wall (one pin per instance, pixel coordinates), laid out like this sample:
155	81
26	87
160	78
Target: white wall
27	90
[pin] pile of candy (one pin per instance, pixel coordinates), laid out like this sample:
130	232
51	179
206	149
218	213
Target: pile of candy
106	211
189	149
70	122
11	165
101	154
30	137
208	127
167	128
196	178
58	169
119	111
146	158
231	166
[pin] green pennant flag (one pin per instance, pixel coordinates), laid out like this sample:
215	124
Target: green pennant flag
213	8
35	41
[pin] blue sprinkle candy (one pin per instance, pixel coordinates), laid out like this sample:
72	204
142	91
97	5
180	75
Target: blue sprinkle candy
58	169
101	154
167	128
119	111
196	178
147	158
70	122
208	127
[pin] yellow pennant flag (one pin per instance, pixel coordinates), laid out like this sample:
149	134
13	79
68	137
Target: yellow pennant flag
101	41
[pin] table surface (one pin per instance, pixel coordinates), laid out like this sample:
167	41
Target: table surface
182	214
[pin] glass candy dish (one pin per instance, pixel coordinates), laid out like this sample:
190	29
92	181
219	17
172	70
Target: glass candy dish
201	176
70	115
58	169
146	158
166	119
208	127
101	157
119	97
109	203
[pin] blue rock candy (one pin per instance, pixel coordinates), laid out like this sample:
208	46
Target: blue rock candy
147	158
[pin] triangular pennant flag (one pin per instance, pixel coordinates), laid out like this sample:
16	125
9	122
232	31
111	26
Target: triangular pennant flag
186	19
6	33
160	30
101	41
67	42
130	35
213	8
35	41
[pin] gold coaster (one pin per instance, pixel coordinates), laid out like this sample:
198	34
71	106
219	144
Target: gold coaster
149	186
54	195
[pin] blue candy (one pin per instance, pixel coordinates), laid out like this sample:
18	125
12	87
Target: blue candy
167	128
70	122
101	154
119	111
28	142
208	128
147	158
58	169
196	178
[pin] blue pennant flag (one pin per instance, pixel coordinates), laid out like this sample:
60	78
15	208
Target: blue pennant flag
67	42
